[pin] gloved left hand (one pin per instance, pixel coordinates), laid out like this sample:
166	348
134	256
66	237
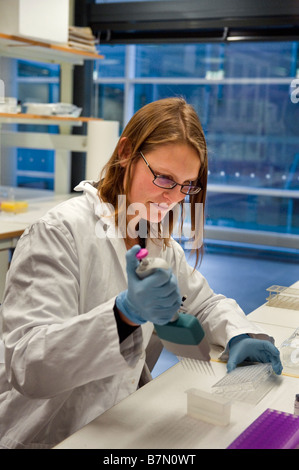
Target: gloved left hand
243	348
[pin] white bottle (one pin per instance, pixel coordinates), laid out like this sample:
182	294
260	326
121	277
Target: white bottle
290	352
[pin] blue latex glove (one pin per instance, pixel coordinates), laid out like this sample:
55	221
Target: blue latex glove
243	348
155	298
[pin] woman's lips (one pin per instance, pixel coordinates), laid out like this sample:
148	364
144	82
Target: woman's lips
162	206
159	210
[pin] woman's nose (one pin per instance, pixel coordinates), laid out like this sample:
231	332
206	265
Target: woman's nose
173	195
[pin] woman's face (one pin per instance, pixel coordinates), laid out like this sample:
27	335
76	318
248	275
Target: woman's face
179	162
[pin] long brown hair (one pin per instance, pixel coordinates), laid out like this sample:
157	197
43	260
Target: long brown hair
170	120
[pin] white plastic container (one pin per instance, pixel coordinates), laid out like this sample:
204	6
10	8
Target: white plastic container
37	19
208	407
289	351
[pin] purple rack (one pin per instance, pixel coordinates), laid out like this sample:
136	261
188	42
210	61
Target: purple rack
271	430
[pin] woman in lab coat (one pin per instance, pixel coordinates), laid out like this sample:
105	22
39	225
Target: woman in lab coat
76	319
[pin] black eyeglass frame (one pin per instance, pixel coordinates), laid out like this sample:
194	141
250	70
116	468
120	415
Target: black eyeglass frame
197	189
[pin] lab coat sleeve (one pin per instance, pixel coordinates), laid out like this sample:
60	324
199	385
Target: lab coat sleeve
49	347
221	317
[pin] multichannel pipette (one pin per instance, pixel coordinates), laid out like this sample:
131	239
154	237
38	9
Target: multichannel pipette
184	335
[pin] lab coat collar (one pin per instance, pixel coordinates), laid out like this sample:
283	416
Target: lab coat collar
101	209
105	225
106	220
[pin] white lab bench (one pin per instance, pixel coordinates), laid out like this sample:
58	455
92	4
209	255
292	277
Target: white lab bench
155	416
39	202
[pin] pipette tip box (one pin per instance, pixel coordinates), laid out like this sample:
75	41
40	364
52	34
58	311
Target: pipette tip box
208	407
271	430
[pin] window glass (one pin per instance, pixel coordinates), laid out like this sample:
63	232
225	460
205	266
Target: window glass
217	61
251	131
113	63
194	94
177	60
110	102
253	212
260	60
248	104
38	92
37	69
252	135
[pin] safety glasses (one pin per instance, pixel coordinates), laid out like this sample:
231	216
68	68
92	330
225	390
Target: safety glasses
167	183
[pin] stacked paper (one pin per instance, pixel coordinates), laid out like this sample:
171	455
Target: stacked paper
82	38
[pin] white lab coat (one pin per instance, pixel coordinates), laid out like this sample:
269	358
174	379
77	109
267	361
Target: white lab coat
64	363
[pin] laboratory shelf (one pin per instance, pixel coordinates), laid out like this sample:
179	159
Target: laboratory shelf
30	49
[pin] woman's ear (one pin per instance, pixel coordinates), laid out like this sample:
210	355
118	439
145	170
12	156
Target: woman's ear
124	151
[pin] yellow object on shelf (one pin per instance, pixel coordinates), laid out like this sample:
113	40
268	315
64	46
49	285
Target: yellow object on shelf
14	206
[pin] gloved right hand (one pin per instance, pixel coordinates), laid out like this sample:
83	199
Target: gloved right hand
155	298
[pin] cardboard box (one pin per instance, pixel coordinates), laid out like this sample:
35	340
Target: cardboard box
45	20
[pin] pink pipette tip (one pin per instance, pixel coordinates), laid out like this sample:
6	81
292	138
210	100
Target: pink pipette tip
142	253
